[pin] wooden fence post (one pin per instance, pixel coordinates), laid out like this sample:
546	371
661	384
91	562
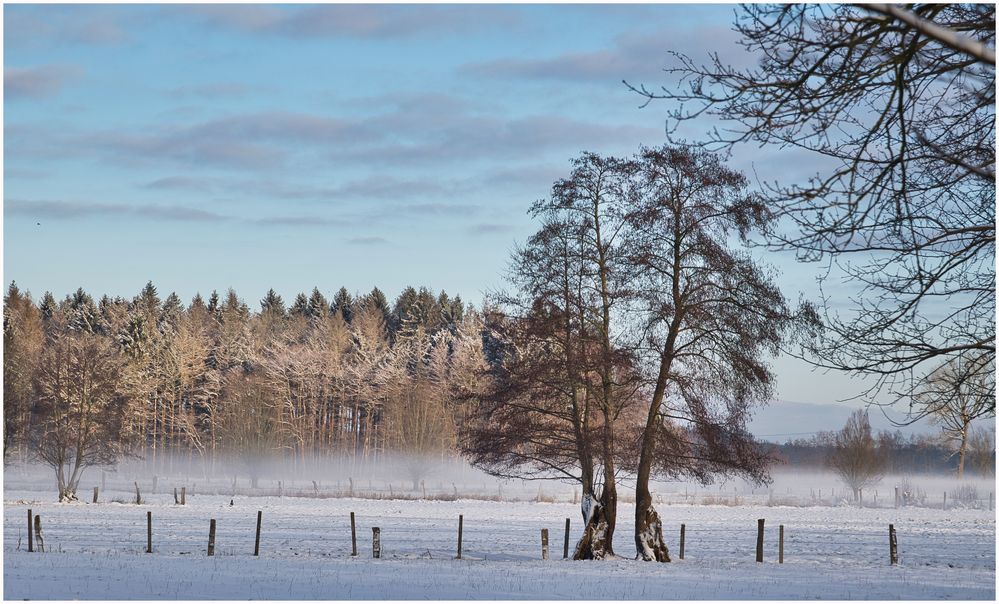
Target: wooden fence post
95	494
149	532
461	519
31	547
780	550
256	542
183	495
211	538
544	544
138	497
759	540
376	542
892	545
683	535
38	533
353	536
565	545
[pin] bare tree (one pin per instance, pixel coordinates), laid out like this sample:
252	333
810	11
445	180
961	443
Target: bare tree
83	405
710	318
855	456
982	450
953	397
900	104
561	385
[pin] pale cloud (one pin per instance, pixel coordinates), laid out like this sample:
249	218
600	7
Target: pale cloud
351	20
36	82
632	57
368	241
72	210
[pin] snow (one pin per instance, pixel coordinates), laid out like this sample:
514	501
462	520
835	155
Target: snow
831	552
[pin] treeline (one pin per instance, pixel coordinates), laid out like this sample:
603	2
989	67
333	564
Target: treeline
352	378
913	454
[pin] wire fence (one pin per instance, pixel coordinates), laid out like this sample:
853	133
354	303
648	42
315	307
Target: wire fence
177	531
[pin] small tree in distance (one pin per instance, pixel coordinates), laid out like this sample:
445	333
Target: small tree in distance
855	456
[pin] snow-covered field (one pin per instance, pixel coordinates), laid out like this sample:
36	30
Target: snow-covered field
831	552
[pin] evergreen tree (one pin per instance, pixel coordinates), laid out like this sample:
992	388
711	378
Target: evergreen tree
343	303
318	305
47	306
81	312
403	309
272	304
377	300
148	302
173	308
300	307
213	303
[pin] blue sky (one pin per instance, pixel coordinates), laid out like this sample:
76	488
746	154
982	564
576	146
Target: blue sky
256	146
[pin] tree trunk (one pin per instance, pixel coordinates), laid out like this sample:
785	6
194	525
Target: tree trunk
963	452
649	529
593	544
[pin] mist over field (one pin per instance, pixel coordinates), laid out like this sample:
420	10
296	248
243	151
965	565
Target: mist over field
407	478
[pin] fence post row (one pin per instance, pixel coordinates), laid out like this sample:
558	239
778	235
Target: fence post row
183	495
95	494
461	519
149	532
759	540
256	542
211	538
892	545
31	547
544	544
376	542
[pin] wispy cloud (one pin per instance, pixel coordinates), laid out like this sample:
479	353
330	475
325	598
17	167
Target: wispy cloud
368	241
36	82
72	210
632	57
88	25
75	210
211	91
351	20
414	134
302	221
489	228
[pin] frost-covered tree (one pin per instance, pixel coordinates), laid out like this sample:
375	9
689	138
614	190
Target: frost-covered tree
23	339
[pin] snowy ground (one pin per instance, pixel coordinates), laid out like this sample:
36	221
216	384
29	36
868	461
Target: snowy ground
831	552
